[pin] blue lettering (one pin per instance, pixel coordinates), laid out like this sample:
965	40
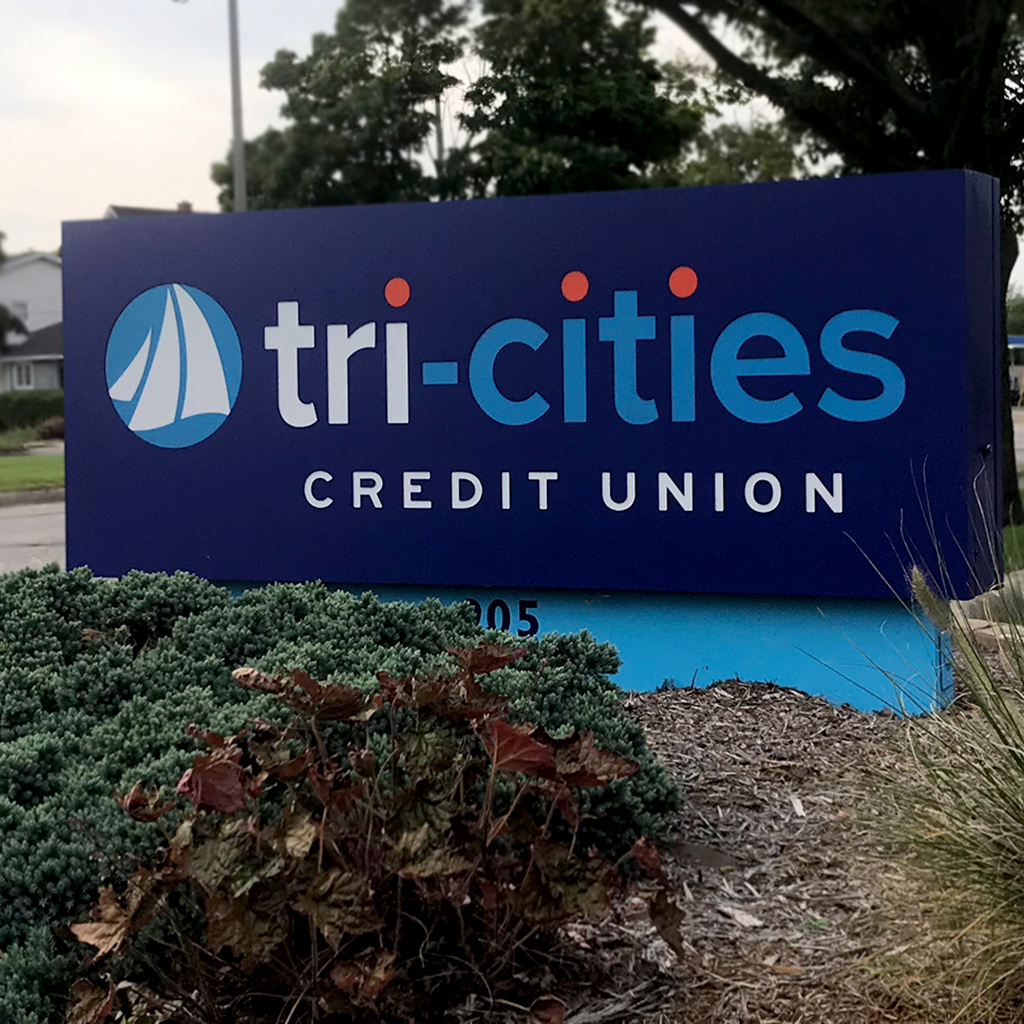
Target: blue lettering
727	367
511	412
574	370
864	364
624	330
683	400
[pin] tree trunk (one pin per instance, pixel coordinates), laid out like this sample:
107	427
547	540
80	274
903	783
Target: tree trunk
1012	509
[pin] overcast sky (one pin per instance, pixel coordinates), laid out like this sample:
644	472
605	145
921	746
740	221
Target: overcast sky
128	102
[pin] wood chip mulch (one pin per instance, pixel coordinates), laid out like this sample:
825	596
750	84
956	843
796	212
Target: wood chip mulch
776	863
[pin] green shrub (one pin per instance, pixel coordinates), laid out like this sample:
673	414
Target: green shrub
98	679
51	429
29	408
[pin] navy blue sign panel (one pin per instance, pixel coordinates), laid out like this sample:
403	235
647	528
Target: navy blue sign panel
772	389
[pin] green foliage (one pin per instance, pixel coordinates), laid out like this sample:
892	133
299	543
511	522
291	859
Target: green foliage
9	324
29	408
98	679
1015	313
360	109
345	882
571	101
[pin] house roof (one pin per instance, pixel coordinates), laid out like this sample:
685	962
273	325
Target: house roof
29	257
117	212
46	343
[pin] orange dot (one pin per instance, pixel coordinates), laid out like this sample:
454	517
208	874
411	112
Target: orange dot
575	285
397	292
682	282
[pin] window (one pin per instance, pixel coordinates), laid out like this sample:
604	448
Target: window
22	375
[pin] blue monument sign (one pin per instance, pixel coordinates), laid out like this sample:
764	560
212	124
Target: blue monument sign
786	391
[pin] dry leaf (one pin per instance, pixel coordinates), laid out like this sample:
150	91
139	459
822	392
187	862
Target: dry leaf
798	806
90	1003
547	1009
741	917
109	927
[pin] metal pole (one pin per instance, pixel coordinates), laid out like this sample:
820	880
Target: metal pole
236	109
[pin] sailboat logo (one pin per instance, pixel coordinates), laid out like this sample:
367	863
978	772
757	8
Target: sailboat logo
174	366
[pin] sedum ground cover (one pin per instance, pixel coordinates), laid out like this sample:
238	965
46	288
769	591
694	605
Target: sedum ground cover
99	678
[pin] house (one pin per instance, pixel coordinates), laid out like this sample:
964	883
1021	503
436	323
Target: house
38	362
30	287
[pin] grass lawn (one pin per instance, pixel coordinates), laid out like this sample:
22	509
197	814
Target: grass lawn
1013	547
30	472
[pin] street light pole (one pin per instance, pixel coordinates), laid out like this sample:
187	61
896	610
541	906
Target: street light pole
236	109
237	138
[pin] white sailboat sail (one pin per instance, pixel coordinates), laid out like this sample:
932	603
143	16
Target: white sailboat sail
158	404
206	390
124	388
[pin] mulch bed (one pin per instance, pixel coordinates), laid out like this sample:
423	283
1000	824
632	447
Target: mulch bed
777	863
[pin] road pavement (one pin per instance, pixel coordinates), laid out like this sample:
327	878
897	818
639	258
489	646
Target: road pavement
31	536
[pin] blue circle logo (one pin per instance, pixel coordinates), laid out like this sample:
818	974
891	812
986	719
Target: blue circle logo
174	366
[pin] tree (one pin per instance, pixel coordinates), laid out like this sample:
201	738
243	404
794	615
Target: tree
361	108
572	100
9	323
888	85
1015	312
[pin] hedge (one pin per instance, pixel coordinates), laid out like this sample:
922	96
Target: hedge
29	408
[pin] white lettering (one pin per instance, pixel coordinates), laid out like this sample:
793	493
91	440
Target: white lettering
307	489
749	492
667	486
543	479
366	485
719	492
397	360
458	479
814	487
506	490
410	488
286	339
341	346
606	492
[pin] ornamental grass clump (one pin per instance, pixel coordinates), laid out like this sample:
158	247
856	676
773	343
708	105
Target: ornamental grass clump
381	855
959	807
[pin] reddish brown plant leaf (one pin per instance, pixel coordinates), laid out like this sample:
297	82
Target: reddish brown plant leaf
143	805
327	701
211	739
363	981
485	658
647	857
580	763
363	762
513	749
251	930
215	781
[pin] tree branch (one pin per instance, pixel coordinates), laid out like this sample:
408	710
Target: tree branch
775	90
848	56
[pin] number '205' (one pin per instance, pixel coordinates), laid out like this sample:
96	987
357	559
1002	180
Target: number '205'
499	616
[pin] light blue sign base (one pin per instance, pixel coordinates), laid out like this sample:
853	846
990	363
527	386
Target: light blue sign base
871	654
